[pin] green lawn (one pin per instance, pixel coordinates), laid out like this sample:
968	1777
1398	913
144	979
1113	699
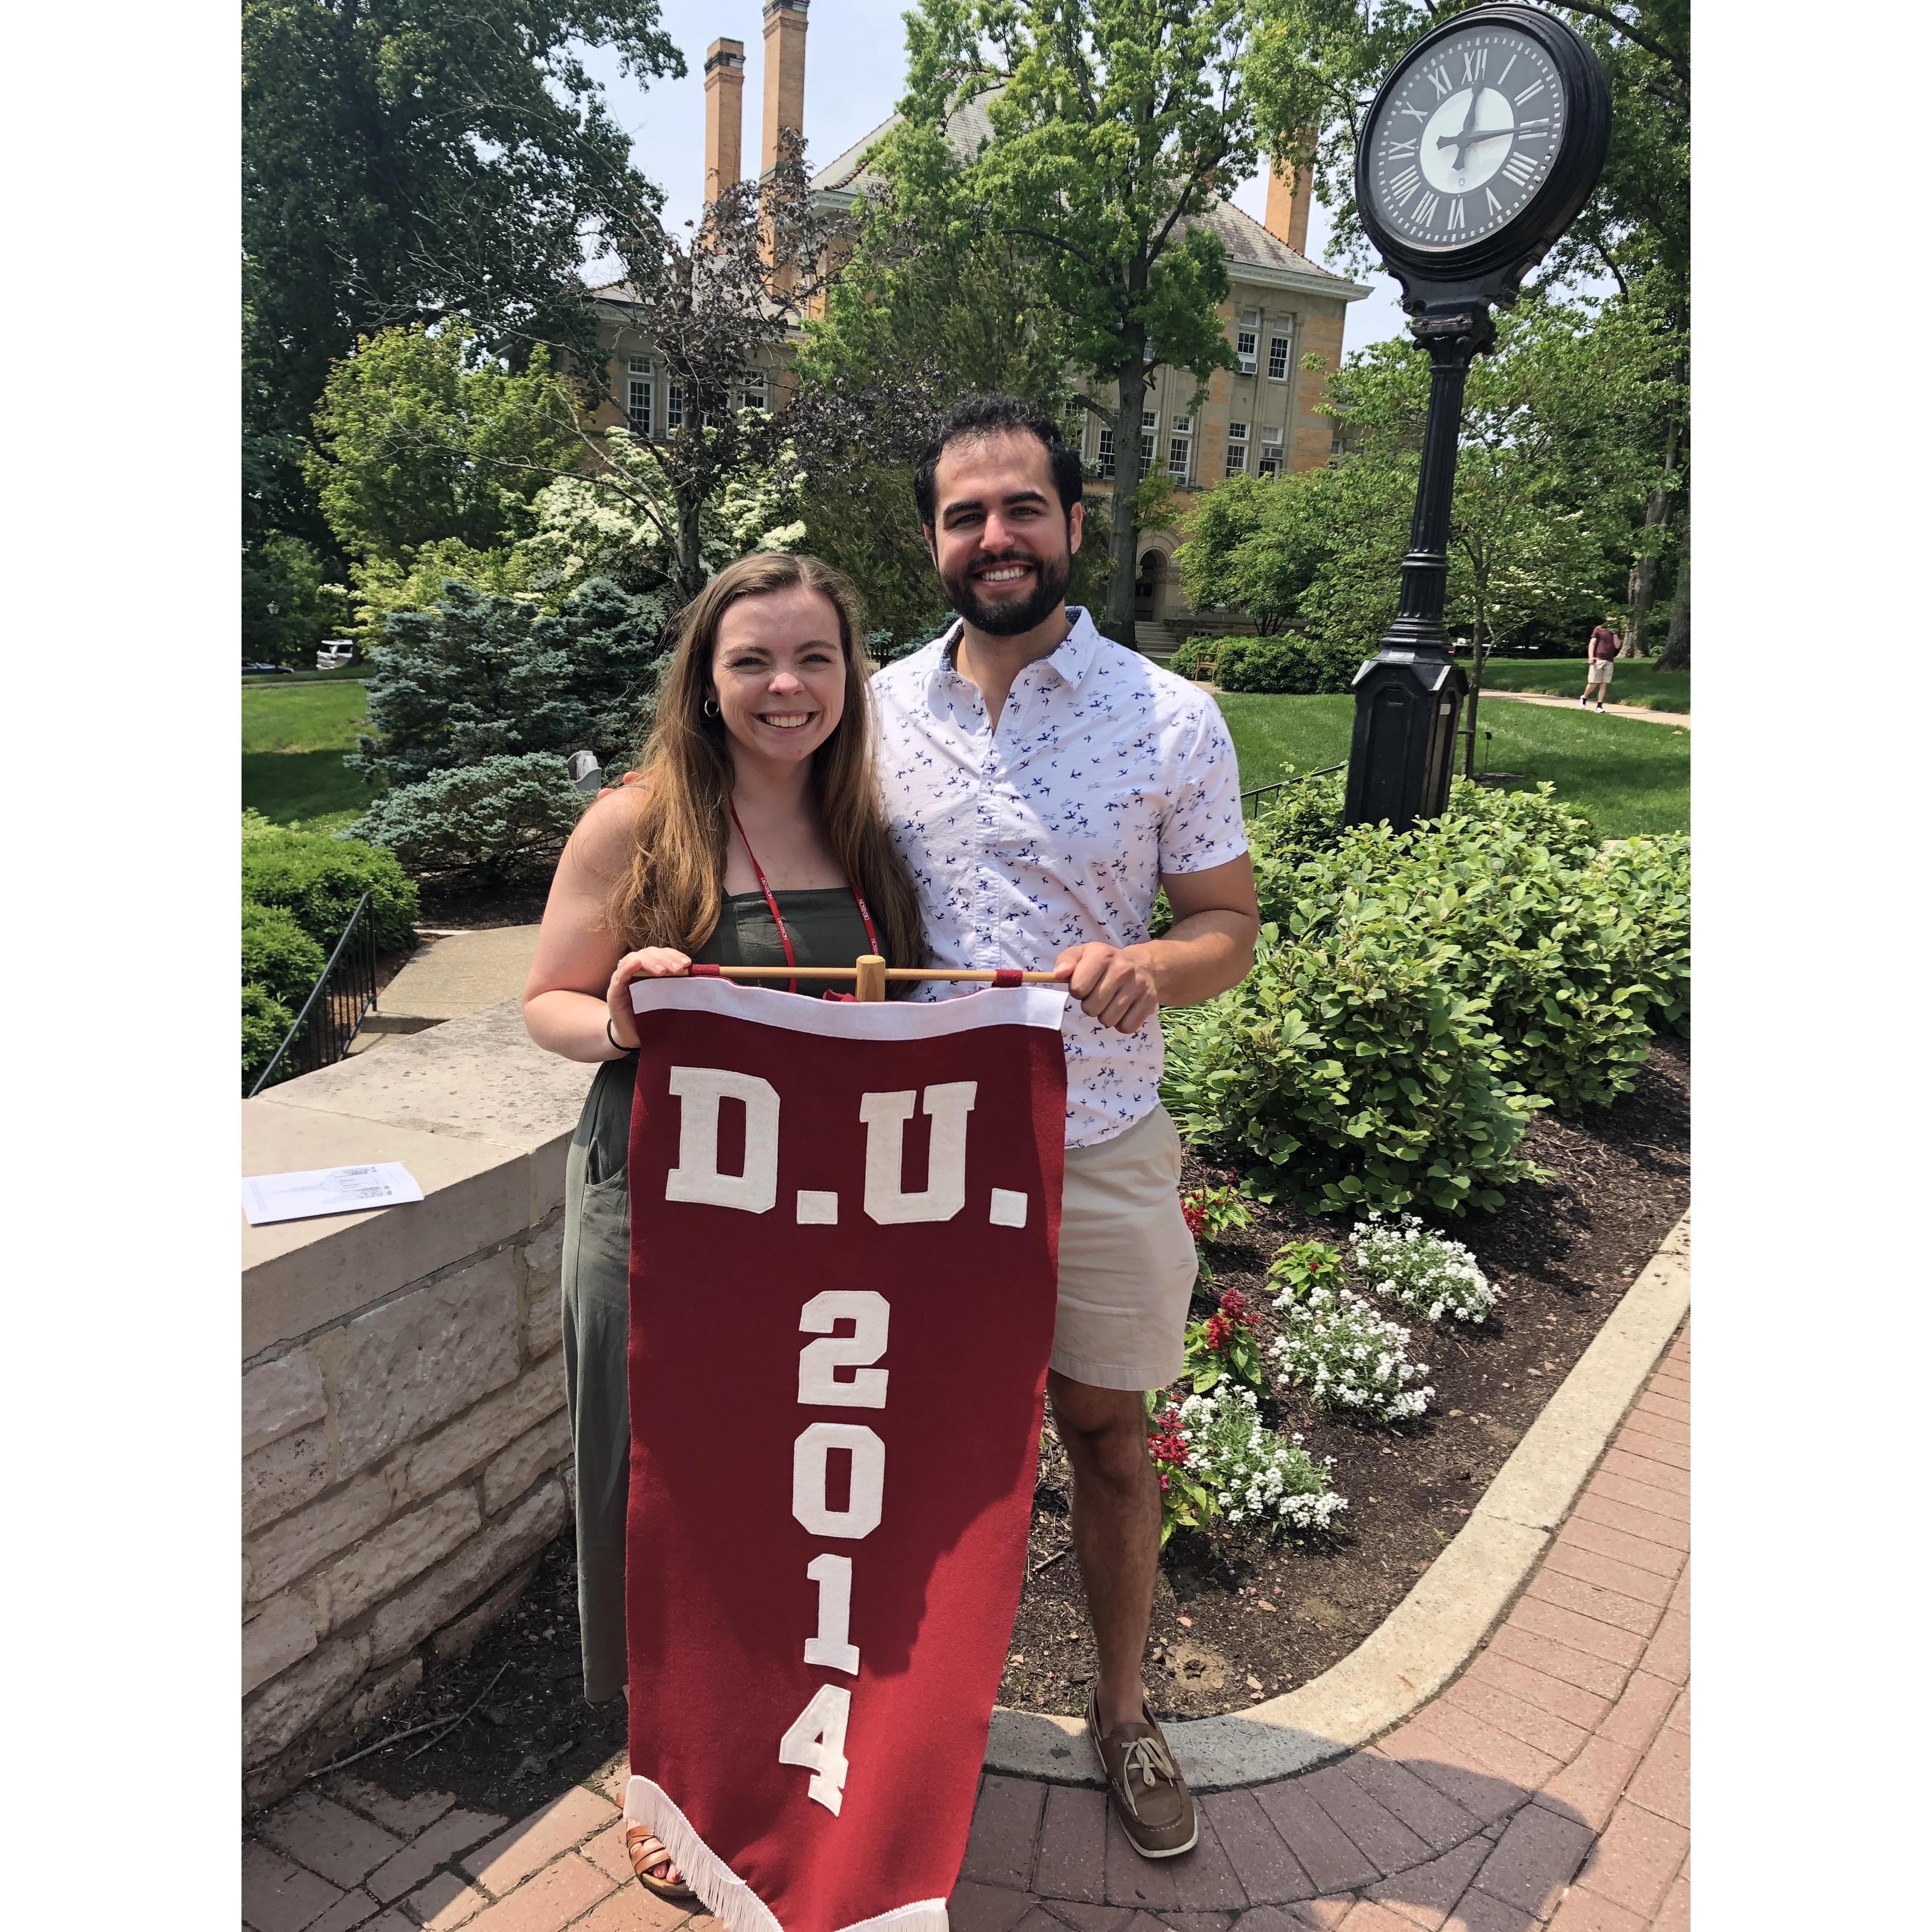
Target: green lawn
293	737
1637	681
342	673
1629	775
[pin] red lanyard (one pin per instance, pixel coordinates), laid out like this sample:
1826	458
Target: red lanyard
772	904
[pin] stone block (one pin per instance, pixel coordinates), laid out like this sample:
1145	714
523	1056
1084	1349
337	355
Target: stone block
423	1357
298	1543
280	1395
381	1564
459	1639
377	1694
492	1425
527	1458
299	1276
459	1580
284	1633
280	1477
287	1705
543	1315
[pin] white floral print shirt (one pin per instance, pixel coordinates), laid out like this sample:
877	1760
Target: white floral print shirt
1105	772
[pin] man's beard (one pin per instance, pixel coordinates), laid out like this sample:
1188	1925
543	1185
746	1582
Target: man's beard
1009	618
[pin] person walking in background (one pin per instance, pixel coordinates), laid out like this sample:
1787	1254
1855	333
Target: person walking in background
1604	645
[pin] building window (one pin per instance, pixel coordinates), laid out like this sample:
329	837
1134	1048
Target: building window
1180	448
1246	336
757	394
637	396
1238	448
1150	424
1278	347
673	406
1338	445
1105	452
1271	462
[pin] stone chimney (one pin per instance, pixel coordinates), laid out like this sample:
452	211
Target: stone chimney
1287	216
784	75
724	116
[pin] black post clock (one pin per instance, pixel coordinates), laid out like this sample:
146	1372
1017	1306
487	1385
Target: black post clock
1479	150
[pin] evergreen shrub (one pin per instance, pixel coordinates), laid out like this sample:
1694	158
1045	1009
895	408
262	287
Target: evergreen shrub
1197	659
264	1022
489	819
478	676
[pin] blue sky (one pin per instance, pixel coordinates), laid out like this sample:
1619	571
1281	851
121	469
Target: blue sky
855	65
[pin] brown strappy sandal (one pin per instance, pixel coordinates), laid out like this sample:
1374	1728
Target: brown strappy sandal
646	1851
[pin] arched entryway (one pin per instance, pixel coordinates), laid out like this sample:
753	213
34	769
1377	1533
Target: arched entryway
1150	587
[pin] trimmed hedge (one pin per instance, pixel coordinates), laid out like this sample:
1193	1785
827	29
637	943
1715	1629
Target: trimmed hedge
489	819
1417	996
277	956
264	1022
1197	657
1294	667
317	878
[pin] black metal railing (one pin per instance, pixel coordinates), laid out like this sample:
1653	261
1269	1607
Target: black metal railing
335	1006
1282	784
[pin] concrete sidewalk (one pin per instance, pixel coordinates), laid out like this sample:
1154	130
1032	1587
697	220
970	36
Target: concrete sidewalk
450	976
1682	718
1550	1785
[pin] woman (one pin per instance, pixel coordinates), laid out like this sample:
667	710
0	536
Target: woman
753	836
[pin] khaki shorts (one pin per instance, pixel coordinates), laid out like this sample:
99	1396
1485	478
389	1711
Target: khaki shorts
1601	670
1127	1260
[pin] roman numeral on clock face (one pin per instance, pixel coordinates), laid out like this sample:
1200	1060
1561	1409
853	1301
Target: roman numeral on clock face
1398	148
1495	206
1414	113
1534	129
1405	184
1425	210
1455	214
1519	168
1438	79
1475	64
1504	75
1530	92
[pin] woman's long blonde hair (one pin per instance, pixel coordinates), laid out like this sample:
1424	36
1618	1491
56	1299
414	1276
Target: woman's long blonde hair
672	891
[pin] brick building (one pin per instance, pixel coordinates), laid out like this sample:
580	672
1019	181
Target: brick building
1264	419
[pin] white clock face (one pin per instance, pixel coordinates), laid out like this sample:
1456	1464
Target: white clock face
1466	139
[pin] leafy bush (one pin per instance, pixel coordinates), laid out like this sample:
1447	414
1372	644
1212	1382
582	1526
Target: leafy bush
1303	1266
1650	877
480	676
1349	1069
277	956
1334	1345
887	646
264	1022
488	819
1197	659
1402	1262
1227	1345
1293	666
317	878
1214	1212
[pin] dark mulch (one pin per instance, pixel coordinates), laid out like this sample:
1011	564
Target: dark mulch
458	905
1231	1625
1248	1620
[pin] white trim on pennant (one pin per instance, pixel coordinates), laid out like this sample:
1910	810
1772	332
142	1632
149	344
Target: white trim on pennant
734	1904
855	1019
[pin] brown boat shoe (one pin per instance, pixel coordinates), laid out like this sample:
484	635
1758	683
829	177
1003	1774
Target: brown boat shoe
1149	1796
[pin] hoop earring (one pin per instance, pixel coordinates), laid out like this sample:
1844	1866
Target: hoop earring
709	707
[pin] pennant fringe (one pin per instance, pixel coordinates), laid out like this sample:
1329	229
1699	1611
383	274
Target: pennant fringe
728	1897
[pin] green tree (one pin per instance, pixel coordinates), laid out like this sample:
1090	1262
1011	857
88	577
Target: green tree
406	160
422	438
1313	70
1116	123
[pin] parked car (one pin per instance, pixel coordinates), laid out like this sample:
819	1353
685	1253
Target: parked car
264	669
335	653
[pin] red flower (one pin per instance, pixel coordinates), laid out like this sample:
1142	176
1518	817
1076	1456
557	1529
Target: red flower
1195	1216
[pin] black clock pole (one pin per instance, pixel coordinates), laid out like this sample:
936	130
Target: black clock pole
1416	187
1408	696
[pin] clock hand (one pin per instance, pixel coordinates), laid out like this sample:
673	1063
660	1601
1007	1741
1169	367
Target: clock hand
1465	140
1468	122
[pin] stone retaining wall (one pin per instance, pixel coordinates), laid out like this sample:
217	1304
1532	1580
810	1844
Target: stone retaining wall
405	1454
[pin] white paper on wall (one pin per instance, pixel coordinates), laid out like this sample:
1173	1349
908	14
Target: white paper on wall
326	1190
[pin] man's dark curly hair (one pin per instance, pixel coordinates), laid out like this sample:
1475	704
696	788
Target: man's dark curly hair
973	419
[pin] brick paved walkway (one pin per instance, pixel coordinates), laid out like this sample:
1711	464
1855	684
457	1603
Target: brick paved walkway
1550	1785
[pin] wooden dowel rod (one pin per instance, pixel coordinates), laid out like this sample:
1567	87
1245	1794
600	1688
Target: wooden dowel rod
803	972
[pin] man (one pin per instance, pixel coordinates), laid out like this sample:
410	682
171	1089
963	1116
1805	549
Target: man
1044	784
1604	645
